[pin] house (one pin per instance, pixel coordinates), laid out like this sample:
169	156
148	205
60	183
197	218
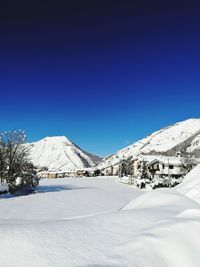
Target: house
89	172
166	166
163	166
51	174
159	165
111	170
137	162
108	170
132	166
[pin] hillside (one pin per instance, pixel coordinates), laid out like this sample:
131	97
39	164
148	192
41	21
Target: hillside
183	135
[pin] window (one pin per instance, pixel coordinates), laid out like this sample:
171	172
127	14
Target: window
171	167
156	167
163	166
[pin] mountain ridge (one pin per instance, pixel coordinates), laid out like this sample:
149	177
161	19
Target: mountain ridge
167	141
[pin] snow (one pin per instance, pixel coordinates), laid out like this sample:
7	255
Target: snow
59	153
160	198
195	144
190	186
3	187
66	198
18	181
176	161
159	142
99	222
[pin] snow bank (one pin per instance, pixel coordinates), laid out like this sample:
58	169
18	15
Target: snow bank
160	228
127	238
190	186
170	243
160	198
174	239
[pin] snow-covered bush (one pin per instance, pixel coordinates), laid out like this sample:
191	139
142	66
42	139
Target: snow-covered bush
26	182
3	188
97	173
26	185
144	182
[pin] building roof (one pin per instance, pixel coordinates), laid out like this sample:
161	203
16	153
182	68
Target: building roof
166	160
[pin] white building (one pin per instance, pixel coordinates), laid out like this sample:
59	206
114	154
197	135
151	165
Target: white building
111	170
159	165
166	166
56	174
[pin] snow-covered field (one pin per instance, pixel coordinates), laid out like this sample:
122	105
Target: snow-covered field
99	222
66	198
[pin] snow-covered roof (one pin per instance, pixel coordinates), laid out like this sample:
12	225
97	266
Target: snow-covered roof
167	161
171	160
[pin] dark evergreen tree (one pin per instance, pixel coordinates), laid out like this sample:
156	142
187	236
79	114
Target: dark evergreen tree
145	175
97	173
86	174
125	168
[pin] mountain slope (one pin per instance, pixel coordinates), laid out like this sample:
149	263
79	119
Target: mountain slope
60	153
169	140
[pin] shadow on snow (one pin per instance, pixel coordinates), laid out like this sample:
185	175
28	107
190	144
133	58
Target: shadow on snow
57	188
44	189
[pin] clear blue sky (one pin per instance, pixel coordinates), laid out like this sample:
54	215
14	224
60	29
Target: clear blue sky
103	73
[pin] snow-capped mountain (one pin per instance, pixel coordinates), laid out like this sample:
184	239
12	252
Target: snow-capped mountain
59	153
183	135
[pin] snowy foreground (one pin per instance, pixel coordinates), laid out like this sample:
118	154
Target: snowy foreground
99	222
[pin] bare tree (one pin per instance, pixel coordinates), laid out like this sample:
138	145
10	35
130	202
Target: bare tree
3	161
15	167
